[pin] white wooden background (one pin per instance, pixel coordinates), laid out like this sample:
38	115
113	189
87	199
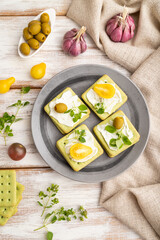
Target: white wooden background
32	171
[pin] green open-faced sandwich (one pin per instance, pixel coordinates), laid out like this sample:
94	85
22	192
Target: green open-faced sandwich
116	133
67	110
104	97
79	147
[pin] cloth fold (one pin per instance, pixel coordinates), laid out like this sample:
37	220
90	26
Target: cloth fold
134	196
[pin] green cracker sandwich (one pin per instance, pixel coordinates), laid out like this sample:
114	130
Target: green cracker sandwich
116	134
79	147
67	110
104	97
8	211
4	220
7	188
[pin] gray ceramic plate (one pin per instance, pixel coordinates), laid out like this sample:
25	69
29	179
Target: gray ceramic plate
45	134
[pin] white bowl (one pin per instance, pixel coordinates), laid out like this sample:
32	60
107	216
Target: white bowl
52	15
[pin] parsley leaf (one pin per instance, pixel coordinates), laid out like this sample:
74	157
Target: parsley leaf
110	129
112	142
25	90
82	134
82	107
73	112
119	143
82	139
99	108
100	111
126	140
49	235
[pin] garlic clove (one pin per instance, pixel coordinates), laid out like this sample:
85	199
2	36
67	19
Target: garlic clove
126	34
75	48
67	44
83	45
71	34
116	35
130	21
111	27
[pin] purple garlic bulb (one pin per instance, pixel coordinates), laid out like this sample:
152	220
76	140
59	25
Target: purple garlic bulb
74	42
120	28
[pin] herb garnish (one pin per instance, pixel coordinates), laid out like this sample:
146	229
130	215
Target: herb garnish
50	200
82	134
79	135
76	116
99	108
126	140
7	120
60	214
110	129
120	141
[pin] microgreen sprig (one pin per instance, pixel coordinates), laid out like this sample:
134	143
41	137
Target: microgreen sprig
81	134
49	197
59	214
73	112
7	120
99	108
120	140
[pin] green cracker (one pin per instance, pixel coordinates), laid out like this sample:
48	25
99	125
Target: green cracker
7	188
105	78
61	127
113	153
8	211
4	220
76	166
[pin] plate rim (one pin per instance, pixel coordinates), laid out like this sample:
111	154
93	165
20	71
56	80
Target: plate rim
78	177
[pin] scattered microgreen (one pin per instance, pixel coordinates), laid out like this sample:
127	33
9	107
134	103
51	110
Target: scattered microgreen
110	129
25	90
99	108
48	199
112	142
126	140
82	107
49	235
119	143
59	214
120	140
81	134
7	120
77	115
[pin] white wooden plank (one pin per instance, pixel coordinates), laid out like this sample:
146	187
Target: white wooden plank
32	7
51	54
21	130
100	224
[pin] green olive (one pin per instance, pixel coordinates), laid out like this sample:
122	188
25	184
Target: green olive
33	43
26	34
60	107
40	37
25	49
44	18
34	28
46	28
118	122
33	22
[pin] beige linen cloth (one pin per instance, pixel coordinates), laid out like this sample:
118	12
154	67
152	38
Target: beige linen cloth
134	196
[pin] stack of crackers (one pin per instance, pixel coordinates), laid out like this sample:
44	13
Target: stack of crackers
10	195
